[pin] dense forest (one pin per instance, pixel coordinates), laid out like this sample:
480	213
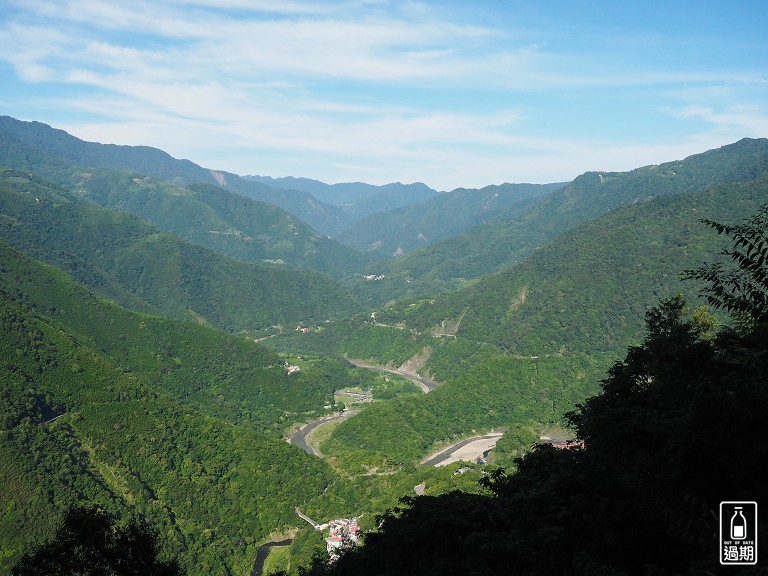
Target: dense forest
166	328
526	344
139	266
677	427
499	246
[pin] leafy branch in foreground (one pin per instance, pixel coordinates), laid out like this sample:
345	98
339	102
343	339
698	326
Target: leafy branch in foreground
743	291
88	543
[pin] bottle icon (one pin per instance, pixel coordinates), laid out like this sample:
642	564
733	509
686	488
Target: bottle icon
738	525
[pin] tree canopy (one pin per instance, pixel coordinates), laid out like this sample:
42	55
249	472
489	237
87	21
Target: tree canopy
741	290
678	427
88	543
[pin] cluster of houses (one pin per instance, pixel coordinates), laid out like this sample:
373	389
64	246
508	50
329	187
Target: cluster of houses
289	369
343	534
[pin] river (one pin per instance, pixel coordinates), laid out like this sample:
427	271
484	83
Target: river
299	436
263	552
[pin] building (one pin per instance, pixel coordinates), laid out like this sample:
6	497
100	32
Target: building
343	534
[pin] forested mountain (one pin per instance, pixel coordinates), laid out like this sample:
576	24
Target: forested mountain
641	496
424	223
125	259
23	144
523	345
357	199
152	416
126	287
589	289
228	223
226	375
642	491
498	246
171	422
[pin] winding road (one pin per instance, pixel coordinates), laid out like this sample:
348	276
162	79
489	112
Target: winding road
470	450
299	436
425	384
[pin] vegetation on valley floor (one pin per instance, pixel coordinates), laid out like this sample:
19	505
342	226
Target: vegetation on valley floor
678	427
179	423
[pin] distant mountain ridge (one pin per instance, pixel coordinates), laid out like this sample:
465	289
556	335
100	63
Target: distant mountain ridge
58	144
421	224
498	246
357	199
234	224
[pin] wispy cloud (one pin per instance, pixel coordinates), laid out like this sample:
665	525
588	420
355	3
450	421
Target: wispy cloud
748	120
371	90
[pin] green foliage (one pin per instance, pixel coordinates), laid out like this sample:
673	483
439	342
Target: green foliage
640	498
388	386
743	290
307	547
516	441
138	266
212	487
225	375
89	543
383	344
495	247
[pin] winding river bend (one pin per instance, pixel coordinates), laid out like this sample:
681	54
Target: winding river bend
263	552
299	436
469	449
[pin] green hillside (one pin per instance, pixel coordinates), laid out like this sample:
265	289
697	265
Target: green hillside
526	344
227	223
124	259
495	247
226	375
175	422
212	486
23	144
424	223
589	289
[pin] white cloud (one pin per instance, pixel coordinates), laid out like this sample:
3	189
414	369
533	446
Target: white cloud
370	90
746	119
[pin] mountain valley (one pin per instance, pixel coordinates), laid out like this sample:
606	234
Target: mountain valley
166	326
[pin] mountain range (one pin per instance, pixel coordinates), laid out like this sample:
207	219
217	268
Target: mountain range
133	286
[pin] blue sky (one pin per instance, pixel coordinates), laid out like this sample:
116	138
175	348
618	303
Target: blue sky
447	93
